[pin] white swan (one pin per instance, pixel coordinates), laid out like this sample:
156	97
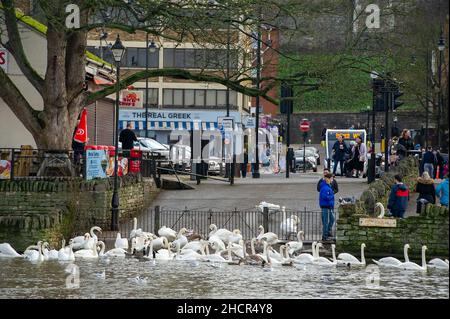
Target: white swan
222	233
167	232
269	237
392	261
87	253
93	235
159	243
289	225
271	207
66	253
438	263
235	237
181	238
188	254
121	242
164	253
216	257
6	251
135	231
350	260
409	265
80	241
381	207
322	261
294	246
115	252
195	245
34	253
251	259
305	258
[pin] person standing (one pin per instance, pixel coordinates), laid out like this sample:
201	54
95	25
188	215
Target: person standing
127	138
340	149
442	192
439	167
406	141
398	198
77	147
326	202
244	164
426	190
429	161
359	154
334	184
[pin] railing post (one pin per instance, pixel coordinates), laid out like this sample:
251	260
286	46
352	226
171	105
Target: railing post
266	219
157	219
11	175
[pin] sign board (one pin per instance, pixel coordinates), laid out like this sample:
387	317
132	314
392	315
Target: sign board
134	99
378	222
5	169
97	163
226	123
4	59
250	122
349	138
304	126
130	114
253	110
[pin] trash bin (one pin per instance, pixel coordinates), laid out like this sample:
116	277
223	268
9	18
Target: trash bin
135	161
421	206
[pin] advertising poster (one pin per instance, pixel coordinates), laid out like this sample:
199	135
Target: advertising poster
97	164
5	169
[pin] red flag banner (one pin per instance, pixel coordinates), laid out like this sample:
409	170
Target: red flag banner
81	133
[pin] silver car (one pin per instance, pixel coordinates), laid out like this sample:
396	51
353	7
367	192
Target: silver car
311	162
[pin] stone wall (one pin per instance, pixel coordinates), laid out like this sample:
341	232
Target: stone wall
430	229
50	209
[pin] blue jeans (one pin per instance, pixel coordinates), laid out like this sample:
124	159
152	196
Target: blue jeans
341	164
327	222
428	167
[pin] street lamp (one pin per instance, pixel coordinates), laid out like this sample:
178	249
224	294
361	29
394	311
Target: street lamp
118	51
371	172
151	49
441	47
368	119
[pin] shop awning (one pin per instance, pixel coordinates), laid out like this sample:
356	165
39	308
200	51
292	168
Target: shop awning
167	125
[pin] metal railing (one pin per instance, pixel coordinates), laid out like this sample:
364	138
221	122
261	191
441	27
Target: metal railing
247	221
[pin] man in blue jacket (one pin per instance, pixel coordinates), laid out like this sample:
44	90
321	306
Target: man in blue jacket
442	192
398	199
326	202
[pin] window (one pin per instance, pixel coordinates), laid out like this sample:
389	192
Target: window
199	97
178	97
189	97
221	98
195	98
198	58
211	98
152	97
168	97
179	59
169	58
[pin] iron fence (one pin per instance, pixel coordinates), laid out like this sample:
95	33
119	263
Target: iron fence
247	221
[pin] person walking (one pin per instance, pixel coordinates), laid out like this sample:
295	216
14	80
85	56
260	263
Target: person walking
442	191
398	198
326	202
439	167
244	164
334	184
429	161
340	149
426	190
127	138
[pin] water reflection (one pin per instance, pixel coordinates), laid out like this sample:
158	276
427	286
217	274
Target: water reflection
22	279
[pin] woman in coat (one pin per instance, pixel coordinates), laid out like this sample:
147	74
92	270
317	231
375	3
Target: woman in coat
425	188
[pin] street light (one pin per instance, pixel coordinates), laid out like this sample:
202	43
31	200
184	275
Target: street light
151	49
441	47
118	51
371	172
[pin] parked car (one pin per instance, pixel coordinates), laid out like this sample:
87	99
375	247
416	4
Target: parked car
214	165
316	153
311	161
151	145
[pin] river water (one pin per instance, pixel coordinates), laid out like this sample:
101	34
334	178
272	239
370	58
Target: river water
20	278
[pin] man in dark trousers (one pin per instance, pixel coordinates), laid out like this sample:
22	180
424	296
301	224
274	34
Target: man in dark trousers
339	151
334	184
127	138
398	198
429	161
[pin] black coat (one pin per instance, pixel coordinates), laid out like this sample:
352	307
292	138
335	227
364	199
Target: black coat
340	150
127	137
426	190
334	186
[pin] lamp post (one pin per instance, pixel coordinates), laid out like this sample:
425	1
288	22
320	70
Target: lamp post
368	119
151	48
256	173
118	51
371	167
441	47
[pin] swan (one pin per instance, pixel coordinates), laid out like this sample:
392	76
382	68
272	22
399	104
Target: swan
164	253
121	242
269	237
230	260
409	265
381	207
115	252
392	261
181	239
294	246
135	232
305	258
322	261
289	225
438	263
160	242
251	259
286	260
269	262
216	257
195	245
66	253
237	249
139	280
93	235
87	253
188	254
80	241
222	233
214	240
138	244
350	260
34	253
236	237
6	251
51	254
277	256
271	207
167	232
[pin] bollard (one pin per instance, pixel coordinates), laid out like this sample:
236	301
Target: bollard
157	219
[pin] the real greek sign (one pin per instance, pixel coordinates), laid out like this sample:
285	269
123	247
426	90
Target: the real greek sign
175	115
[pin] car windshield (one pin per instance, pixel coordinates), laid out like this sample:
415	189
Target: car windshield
152	144
299	153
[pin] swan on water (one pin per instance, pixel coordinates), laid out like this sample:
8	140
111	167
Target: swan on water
392	261
409	265
235	237
115	252
350	260
218	246
121	242
251	259
269	237
438	263
294	246
80	241
87	253
6	251
164	253
160	242
381	207
222	233
195	245
187	254
34	252
66	253
51	254
288	225
181	238
322	261
306	258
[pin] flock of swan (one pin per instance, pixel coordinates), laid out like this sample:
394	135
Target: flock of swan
228	247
